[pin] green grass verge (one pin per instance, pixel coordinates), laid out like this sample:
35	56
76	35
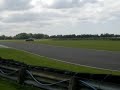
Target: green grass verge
89	44
10	85
32	59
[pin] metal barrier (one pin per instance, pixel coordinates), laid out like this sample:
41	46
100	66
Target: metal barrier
53	79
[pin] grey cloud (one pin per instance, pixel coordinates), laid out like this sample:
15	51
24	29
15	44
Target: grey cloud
20	18
7	28
31	17
61	4
15	5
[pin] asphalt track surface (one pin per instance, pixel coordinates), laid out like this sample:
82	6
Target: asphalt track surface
94	58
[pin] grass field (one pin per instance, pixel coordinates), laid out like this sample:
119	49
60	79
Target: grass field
43	61
89	44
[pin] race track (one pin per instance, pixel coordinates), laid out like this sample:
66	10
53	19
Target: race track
94	58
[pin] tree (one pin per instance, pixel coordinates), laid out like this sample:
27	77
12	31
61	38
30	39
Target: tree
3	37
22	36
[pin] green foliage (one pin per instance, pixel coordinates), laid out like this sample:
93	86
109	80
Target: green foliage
30	35
3	37
105	36
22	36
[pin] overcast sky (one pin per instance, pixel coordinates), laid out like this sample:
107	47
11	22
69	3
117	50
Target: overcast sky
59	16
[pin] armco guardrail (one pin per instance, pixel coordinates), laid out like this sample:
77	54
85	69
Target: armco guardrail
54	79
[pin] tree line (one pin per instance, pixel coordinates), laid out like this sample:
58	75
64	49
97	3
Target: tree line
30	35
71	36
88	36
24	36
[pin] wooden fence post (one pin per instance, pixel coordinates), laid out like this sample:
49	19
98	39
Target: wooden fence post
22	75
74	84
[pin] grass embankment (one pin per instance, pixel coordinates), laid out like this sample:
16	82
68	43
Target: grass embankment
89	44
44	61
9	85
